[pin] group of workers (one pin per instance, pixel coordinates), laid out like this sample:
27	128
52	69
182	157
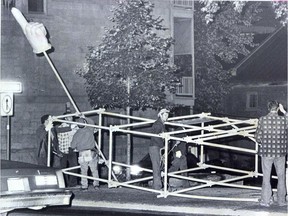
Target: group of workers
271	133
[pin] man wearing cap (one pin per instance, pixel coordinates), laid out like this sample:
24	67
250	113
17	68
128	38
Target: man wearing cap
156	144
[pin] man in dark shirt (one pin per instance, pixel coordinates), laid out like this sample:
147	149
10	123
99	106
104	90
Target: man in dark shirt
42	141
271	134
156	144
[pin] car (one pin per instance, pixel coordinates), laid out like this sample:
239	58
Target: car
25	185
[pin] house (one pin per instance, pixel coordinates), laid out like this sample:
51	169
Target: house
256	79
260	77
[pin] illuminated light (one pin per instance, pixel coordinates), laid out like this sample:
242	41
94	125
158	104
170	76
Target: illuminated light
117	169
136	170
16	184
7	86
46	180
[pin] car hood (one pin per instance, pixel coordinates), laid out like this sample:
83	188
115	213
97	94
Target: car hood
20	168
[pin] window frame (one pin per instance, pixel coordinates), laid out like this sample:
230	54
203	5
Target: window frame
249	97
38	12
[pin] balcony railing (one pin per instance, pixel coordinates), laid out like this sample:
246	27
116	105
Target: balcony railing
183	3
186	87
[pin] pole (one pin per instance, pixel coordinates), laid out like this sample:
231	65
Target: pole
128	112
62	83
8	139
49	149
193	57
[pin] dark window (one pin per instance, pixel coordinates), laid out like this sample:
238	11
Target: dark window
181	111
36	6
252	100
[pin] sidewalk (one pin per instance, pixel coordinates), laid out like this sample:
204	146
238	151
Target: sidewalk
133	199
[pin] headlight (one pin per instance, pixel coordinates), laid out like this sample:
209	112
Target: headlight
136	170
117	169
46	180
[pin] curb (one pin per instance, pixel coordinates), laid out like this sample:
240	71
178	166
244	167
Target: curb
173	209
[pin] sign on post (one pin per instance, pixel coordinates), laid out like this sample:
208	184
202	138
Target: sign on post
7	88
6	102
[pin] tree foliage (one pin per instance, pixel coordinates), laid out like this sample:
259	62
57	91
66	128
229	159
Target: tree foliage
131	67
218	42
211	8
281	11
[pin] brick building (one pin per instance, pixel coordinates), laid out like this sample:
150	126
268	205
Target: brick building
72	26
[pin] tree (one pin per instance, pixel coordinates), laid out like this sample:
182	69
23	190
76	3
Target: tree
281	11
218	42
131	67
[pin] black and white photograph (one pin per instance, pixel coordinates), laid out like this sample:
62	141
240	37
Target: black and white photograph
144	107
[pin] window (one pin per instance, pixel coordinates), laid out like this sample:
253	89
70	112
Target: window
183	54
252	101
36	6
182	110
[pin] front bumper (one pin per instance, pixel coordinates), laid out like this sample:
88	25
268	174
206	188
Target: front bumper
34	200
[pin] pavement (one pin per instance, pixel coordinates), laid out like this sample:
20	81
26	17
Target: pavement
122	198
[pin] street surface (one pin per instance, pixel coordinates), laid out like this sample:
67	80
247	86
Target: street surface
138	200
75	211
128	202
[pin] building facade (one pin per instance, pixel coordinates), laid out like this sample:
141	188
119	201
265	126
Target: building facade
260	77
72	26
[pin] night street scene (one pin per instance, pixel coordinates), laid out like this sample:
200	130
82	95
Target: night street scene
143	107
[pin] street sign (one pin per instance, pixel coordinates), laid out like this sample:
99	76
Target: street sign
6	103
7	86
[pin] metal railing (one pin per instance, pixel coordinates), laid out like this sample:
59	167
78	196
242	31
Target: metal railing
183	3
186	87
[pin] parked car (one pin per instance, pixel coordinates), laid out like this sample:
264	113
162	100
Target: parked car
25	185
